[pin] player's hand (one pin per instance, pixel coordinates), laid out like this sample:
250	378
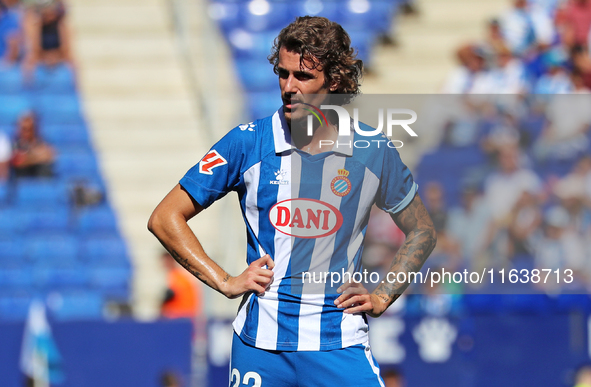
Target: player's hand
256	278
355	299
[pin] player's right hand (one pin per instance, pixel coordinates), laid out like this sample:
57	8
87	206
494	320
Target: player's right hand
256	278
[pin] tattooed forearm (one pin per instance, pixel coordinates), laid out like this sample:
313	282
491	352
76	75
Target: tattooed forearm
420	241
184	262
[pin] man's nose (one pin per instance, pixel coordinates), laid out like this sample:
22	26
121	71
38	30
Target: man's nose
290	85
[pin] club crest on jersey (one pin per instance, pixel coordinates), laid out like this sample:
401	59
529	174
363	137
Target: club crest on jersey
210	161
305	218
341	185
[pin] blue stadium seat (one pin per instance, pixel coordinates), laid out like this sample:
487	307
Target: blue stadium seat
104	250
374	16
82	305
53	219
56	250
40	193
362	41
76	162
251	45
263	104
225	13
16	278
4	193
12	249
14	307
56	79
99	219
58	108
257	77
56	278
12	107
327	9
264	15
66	135
10	222
11	80
110	279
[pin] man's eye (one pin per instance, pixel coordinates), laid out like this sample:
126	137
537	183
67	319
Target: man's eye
303	77
283	74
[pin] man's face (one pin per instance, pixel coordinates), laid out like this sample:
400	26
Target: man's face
295	81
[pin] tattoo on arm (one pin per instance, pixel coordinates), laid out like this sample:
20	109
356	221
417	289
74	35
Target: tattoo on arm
226	278
187	265
420	241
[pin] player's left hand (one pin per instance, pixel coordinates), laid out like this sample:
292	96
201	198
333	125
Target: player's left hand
355	299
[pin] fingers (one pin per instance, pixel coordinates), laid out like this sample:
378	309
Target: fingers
265	260
367	307
350	300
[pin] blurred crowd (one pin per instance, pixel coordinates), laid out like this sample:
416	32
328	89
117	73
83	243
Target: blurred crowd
33	34
34	31
508	181
537	46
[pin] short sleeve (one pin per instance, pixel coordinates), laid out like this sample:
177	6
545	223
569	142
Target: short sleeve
397	187
219	171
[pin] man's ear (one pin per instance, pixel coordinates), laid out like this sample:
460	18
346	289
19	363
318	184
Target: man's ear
333	86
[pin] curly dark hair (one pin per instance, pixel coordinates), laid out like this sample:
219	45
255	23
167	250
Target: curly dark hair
327	46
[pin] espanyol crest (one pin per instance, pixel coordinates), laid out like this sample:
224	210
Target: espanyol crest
341	185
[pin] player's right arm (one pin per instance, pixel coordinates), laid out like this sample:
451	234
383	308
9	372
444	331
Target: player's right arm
169	224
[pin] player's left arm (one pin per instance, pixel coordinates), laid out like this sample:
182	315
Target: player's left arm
420	241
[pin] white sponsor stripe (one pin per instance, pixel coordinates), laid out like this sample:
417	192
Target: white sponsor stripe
353	326
374	367
251	179
241	316
311	307
269	304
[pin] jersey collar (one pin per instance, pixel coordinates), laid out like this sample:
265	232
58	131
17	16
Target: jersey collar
282	136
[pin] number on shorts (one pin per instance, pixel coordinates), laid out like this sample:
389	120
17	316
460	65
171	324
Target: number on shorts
235	379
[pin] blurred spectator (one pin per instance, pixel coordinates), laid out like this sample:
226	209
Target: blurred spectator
435	205
501	131
170	379
556	79
574	22
524	223
5	154
447	251
472	65
392	378
47	34
571	190
568	121
525	27
9	34
583	376
560	248
582	65
504	187
31	156
183	296
507	77
468	225
494	38
383	239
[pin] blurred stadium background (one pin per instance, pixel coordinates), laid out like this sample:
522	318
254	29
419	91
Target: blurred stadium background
116	99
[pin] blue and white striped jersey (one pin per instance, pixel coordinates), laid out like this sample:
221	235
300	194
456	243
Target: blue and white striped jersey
309	213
